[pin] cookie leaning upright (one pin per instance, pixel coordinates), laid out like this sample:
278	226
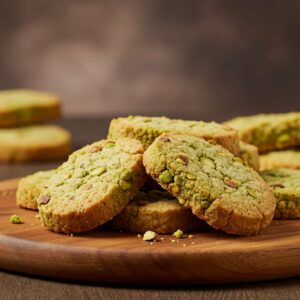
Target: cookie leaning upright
93	186
269	131
22	106
217	186
157	211
285	184
34	143
30	187
147	129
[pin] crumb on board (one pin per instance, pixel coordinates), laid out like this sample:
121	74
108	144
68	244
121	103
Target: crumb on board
15	219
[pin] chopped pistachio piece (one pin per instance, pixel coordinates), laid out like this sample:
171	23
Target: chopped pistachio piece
14	219
205	204
149	235
125	185
166	177
178	233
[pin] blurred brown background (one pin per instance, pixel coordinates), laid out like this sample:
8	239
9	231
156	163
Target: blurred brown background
196	59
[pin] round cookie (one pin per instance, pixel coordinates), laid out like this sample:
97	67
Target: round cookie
269	131
30	187
34	143
22	106
249	154
147	129
217	186
157	211
93	186
280	159
285	184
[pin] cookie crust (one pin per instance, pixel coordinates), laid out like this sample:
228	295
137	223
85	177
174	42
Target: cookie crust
147	129
23	106
289	159
93	186
249	153
30	187
34	143
269	131
217	186
156	211
285	184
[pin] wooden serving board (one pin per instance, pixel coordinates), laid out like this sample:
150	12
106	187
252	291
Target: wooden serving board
106	256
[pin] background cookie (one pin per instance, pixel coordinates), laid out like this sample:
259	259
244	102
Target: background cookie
269	131
280	159
216	185
147	129
21	106
249	154
93	186
157	211
34	143
30	187
285	184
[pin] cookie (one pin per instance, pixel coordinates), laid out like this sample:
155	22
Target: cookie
147	129
93	186
280	159
30	187
249	154
20	107
219	187
269	131
156	211
34	143
285	184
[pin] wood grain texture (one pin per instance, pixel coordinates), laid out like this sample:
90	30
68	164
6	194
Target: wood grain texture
107	256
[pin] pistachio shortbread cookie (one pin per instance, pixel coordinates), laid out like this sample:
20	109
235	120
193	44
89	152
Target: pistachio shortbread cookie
269	131
219	187
147	129
34	143
21	106
249	154
93	186
30	187
285	184
157	211
280	159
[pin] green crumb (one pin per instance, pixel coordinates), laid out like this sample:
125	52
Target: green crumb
178	234
149	235
166	177
14	219
125	185
191	236
205	204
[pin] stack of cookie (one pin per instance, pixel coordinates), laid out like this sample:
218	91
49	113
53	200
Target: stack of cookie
22	138
277	137
158	174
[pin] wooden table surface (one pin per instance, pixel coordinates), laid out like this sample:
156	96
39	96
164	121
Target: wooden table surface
17	286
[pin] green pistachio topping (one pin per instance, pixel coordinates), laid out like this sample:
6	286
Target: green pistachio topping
205	204
125	185
14	219
178	233
149	235
166	177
